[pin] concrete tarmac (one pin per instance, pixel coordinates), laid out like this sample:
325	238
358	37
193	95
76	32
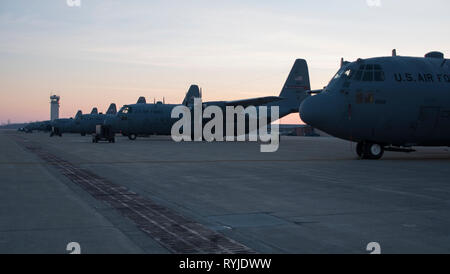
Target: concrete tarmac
311	196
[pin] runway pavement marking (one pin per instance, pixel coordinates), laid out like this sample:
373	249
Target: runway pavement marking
173	231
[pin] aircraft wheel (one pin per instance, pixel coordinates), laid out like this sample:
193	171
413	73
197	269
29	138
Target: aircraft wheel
113	140
132	136
372	151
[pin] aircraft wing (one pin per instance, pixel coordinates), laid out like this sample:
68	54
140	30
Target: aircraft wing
253	101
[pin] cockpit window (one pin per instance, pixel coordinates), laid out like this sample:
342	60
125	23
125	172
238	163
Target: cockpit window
126	110
348	73
345	73
369	73
368	76
338	75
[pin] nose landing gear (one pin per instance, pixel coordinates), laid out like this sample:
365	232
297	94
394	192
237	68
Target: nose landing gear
368	150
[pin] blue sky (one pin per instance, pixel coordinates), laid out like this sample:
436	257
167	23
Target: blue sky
114	51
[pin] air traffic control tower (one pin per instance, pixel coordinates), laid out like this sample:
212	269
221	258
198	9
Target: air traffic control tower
54	107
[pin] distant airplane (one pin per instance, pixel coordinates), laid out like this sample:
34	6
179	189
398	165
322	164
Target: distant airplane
385	104
61	125
146	119
82	123
86	123
39	126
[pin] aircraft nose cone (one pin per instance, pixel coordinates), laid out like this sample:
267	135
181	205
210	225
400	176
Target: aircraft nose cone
309	111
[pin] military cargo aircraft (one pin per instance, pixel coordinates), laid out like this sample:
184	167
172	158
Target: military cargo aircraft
146	119
86	123
63	125
39	126
82	123
385	104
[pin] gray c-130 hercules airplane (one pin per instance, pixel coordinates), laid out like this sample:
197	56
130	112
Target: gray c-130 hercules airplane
86	123
385	103
82	123
146	119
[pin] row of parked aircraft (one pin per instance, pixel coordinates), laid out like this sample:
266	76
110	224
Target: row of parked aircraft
142	118
383	104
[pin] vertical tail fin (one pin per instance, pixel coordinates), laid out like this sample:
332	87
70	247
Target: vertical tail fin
141	100
298	79
193	92
295	87
94	111
78	115
112	109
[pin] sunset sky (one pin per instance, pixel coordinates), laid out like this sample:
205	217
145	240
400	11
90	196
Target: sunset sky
115	51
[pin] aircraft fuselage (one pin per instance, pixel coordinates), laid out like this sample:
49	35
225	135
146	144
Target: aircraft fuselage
398	101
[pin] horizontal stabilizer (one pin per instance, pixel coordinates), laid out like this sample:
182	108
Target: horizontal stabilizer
253	101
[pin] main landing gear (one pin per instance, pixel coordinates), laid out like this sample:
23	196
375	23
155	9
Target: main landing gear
368	150
132	136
